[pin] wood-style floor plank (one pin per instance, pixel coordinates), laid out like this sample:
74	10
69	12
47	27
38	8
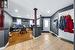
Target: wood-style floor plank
45	42
18	38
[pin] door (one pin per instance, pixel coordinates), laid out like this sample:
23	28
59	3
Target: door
46	24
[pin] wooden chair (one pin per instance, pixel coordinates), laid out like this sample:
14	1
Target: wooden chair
23	30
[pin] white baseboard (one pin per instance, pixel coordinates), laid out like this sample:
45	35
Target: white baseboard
53	33
2	48
59	36
36	37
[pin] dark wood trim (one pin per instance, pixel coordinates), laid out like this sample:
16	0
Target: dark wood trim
44	16
22	18
7	13
64	9
16	17
45	32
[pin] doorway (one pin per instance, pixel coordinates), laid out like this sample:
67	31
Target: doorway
46	24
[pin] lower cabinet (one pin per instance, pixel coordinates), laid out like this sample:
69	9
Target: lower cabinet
37	31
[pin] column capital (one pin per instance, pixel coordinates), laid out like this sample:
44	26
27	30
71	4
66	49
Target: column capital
35	9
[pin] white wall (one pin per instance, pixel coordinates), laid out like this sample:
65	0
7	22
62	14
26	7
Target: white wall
67	35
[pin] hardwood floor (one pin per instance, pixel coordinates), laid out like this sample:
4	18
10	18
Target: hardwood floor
18	38
45	42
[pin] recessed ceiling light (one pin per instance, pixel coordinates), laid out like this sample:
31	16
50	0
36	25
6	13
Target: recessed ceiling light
48	11
16	10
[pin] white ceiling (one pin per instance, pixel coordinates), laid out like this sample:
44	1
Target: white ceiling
24	8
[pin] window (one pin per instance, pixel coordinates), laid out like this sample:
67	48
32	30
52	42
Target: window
18	21
38	22
31	22
46	23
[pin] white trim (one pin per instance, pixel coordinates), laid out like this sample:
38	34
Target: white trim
36	37
2	48
53	33
59	36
